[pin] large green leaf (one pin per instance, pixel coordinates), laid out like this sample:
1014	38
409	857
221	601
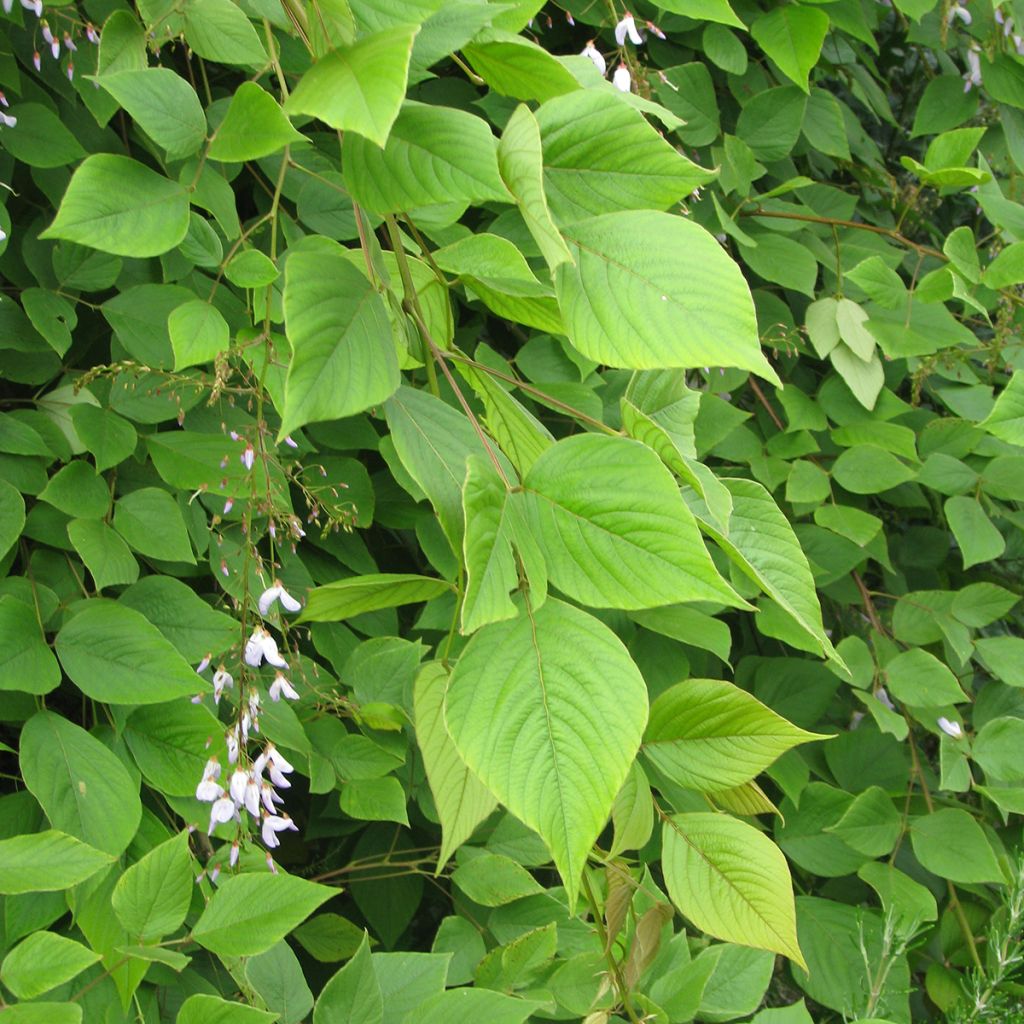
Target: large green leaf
518	67
615	546
651	291
152	897
432	155
113	654
168	742
1006	420
548	710
121	206
208	1009
105	554
254	126
792	36
151	522
47	862
42	962
26	662
334	602
84	789
462	801
353	994
952	845
731	880
250	913
602	155
358	88
344	357
163	105
709	735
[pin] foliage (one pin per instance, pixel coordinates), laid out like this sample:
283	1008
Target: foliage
497	526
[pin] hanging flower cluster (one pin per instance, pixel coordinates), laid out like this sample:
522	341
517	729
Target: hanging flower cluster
627	28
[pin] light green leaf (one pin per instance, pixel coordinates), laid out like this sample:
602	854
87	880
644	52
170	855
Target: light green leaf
109	437
462	801
250	268
921	680
150	520
111	653
548	710
344	357
152	897
207	1009
353	994
40	138
105	554
792	37
254	126
47	862
492	880
704	10
871	824
84	789
277	978
870	470
770	122
358	88
975	533
121	206
521	166
218	30
470	1006
650	290
12	516
997	748
762	543
707	734
864	378
163	105
168	742
42	962
335	602
198	332
432	155
614	547
731	881
601	155
26	662
1006	420
952	845
250	913
43	1013
515	66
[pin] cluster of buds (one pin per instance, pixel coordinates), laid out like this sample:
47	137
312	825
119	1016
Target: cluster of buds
1008	29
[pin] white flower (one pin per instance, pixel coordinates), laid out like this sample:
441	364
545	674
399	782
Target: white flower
270	652
272	824
262	645
973	75
654	28
271	866
3	235
248	457
280	687
55	49
269	797
204	664
594	54
252	797
36	6
91	34
950	728
277	593
228	506
291	442
622	80
214	872
69	43
276	765
8	5
627	27
221	679
212	768
223	810
8	119
231	739
883	698
44	30
233	857
246	722
957	11
237	786
208	790
37	61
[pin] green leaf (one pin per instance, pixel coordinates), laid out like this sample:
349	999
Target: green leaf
731	881
329	937
975	533
105	554
471	1005
782	260
1003	656
792	37
611	547
207	1009
344	359
84	789
111	653
952	845
704	10
151	522
152	897
254	127
346	598
198	333
42	962
921	680
493	880
649	290
353	994
110	438
1006	420
762	543
521	166
770	122
26	662
76	489
250	913
871	824
277	978
12	516
40	138
358	88
375	800
52	316
707	734
869	470
548	710
250	268
218	30
518	67
432	155
168	742
997	748
119	205
47	862
601	155
163	105
462	800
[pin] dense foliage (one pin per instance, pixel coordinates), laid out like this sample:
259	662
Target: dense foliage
511	512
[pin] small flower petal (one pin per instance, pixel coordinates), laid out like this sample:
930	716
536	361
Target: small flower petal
595	56
950	728
622	79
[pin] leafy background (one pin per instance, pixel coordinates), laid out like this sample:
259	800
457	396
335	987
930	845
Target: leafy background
646	468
